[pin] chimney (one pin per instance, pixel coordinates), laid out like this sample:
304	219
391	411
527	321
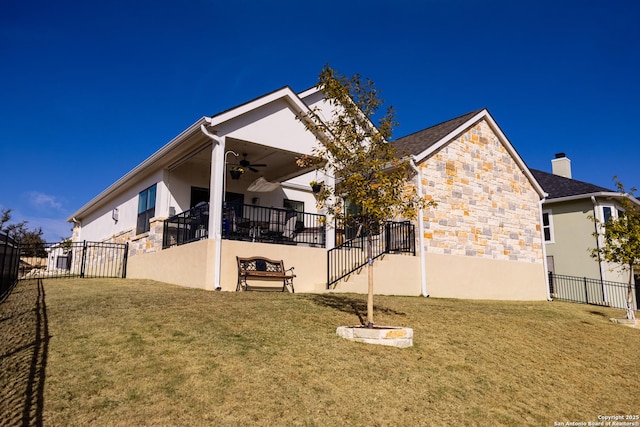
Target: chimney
561	165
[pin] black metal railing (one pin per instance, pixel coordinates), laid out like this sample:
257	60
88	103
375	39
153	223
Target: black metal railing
9	262
400	237
273	225
248	223
591	291
350	256
186	227
73	259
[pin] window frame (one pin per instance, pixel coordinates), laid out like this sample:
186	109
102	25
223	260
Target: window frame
548	226
614	212
146	209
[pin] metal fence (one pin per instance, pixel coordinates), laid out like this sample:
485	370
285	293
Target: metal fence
591	291
9	262
73	259
247	222
350	256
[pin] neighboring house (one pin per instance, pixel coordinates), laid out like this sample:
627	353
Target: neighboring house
186	220
569	211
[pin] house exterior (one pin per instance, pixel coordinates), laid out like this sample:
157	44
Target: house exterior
572	212
186	220
483	240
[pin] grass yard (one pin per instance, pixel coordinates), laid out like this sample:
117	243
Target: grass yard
108	352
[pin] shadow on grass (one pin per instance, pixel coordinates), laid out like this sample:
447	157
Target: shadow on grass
351	305
24	343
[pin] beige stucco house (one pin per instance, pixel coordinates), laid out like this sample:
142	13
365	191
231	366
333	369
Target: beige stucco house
186	219
572	213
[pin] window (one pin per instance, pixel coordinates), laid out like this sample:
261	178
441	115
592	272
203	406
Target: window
62	262
547	226
610	212
199	195
146	209
294	205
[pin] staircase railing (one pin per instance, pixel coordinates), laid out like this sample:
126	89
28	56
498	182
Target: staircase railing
351	256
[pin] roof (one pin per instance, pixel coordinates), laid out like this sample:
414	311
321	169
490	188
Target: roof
560	187
418	142
422	144
178	145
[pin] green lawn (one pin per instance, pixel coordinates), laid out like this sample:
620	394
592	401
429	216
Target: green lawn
130	352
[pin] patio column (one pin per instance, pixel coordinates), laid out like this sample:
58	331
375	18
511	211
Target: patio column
215	200
215	193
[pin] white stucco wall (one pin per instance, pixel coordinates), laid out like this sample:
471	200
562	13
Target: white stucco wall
99	225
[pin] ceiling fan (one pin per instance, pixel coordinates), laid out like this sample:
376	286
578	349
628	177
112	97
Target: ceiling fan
251	166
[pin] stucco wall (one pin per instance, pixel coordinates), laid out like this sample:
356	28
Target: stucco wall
392	275
451	276
310	264
572	236
193	264
100	226
187	265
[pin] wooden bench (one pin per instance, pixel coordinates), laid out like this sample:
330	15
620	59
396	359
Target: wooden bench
264	269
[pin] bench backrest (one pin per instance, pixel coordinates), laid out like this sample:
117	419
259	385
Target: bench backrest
260	264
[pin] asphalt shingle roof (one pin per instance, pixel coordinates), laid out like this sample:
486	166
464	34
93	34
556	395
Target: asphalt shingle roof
417	142
558	186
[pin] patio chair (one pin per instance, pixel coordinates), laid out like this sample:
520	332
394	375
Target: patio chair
290	228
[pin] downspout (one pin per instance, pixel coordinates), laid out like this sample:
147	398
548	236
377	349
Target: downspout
544	251
216	213
600	266
423	268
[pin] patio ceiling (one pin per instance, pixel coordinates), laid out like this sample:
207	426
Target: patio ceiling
280	164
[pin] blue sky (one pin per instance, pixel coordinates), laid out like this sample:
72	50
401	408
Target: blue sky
88	90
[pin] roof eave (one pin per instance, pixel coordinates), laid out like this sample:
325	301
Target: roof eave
142	168
484	113
600	194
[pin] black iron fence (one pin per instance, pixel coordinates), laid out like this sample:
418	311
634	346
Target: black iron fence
350	256
248	223
73	259
591	291
9	262
186	227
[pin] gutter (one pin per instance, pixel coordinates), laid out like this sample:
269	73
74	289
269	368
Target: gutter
544	250
423	268
217	210
600	266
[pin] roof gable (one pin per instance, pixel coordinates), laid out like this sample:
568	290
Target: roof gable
422	144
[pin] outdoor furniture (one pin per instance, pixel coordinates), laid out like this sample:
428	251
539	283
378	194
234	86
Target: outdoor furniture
261	268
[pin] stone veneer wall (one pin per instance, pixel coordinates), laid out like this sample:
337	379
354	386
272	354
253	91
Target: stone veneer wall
150	241
486	206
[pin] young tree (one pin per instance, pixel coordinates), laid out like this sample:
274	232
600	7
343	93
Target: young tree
357	153
621	240
30	240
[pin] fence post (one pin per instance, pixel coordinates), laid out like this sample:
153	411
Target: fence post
586	290
84	258
124	260
387	237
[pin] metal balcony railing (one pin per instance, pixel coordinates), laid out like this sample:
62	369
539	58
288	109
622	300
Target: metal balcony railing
249	223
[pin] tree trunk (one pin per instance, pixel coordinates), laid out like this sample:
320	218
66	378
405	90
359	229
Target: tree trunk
370	279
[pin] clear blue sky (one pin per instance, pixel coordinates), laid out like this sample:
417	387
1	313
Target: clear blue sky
88	90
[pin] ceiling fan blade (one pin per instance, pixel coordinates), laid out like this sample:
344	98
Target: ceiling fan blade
253	169
258	165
